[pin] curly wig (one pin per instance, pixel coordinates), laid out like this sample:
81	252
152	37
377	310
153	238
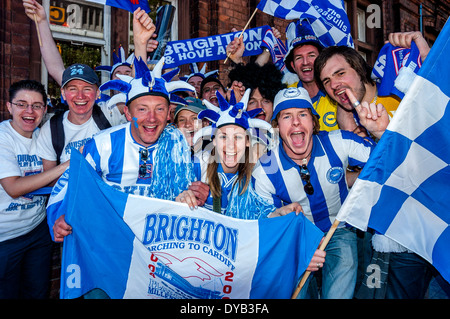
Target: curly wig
266	78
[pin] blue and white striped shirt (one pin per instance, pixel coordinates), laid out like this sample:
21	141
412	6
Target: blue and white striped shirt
115	155
277	177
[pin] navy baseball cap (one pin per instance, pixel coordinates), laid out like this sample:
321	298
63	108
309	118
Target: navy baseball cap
80	71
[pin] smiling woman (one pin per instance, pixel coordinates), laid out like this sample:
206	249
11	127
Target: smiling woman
226	165
25	253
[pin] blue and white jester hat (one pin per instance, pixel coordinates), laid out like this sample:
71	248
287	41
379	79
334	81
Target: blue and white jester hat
118	60
145	82
230	113
195	72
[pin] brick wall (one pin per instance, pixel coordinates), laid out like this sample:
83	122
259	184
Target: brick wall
20	55
55	271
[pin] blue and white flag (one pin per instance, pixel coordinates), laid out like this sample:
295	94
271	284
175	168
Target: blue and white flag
328	18
211	48
129	5
395	69
276	48
403	191
137	247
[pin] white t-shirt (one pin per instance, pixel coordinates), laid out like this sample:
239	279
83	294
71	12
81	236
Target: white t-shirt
75	136
112	114
20	215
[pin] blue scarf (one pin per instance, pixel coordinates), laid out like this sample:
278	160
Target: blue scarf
248	205
173	169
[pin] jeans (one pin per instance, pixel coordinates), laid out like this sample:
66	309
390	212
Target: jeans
408	277
340	267
25	264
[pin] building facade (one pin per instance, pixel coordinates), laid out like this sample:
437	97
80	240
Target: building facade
86	32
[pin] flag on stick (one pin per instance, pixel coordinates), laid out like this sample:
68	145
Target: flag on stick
328	18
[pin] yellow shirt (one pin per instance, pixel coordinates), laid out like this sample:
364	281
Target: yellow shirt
326	108
390	103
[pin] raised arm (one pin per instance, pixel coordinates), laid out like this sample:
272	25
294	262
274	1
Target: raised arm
143	29
50	53
404	39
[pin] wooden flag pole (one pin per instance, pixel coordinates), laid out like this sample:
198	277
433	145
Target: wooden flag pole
322	247
242	32
37	29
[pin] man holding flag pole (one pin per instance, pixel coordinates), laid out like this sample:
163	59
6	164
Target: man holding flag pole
317	161
401	193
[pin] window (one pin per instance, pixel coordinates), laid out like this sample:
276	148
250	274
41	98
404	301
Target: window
361	18
368	39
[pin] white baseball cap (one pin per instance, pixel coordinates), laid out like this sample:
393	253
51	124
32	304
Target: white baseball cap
292	98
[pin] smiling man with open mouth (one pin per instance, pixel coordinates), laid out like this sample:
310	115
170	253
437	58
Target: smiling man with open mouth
308	167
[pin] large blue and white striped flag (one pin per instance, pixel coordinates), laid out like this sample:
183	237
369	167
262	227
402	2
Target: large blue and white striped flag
403	191
129	5
328	18
139	247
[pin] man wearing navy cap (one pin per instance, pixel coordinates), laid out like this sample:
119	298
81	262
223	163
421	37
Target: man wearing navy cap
308	166
80	89
303	49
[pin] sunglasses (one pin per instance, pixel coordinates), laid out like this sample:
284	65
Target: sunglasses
144	158
305	176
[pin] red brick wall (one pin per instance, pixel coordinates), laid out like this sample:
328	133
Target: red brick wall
15	40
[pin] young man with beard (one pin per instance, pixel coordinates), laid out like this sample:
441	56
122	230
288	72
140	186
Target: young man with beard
309	167
346	77
340	69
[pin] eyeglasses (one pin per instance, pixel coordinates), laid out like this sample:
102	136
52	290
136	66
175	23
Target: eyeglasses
304	174
143	167
211	88
24	106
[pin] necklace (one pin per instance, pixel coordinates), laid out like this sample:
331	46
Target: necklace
304	160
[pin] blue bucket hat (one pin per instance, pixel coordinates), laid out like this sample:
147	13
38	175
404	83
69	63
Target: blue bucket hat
292	98
299	33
